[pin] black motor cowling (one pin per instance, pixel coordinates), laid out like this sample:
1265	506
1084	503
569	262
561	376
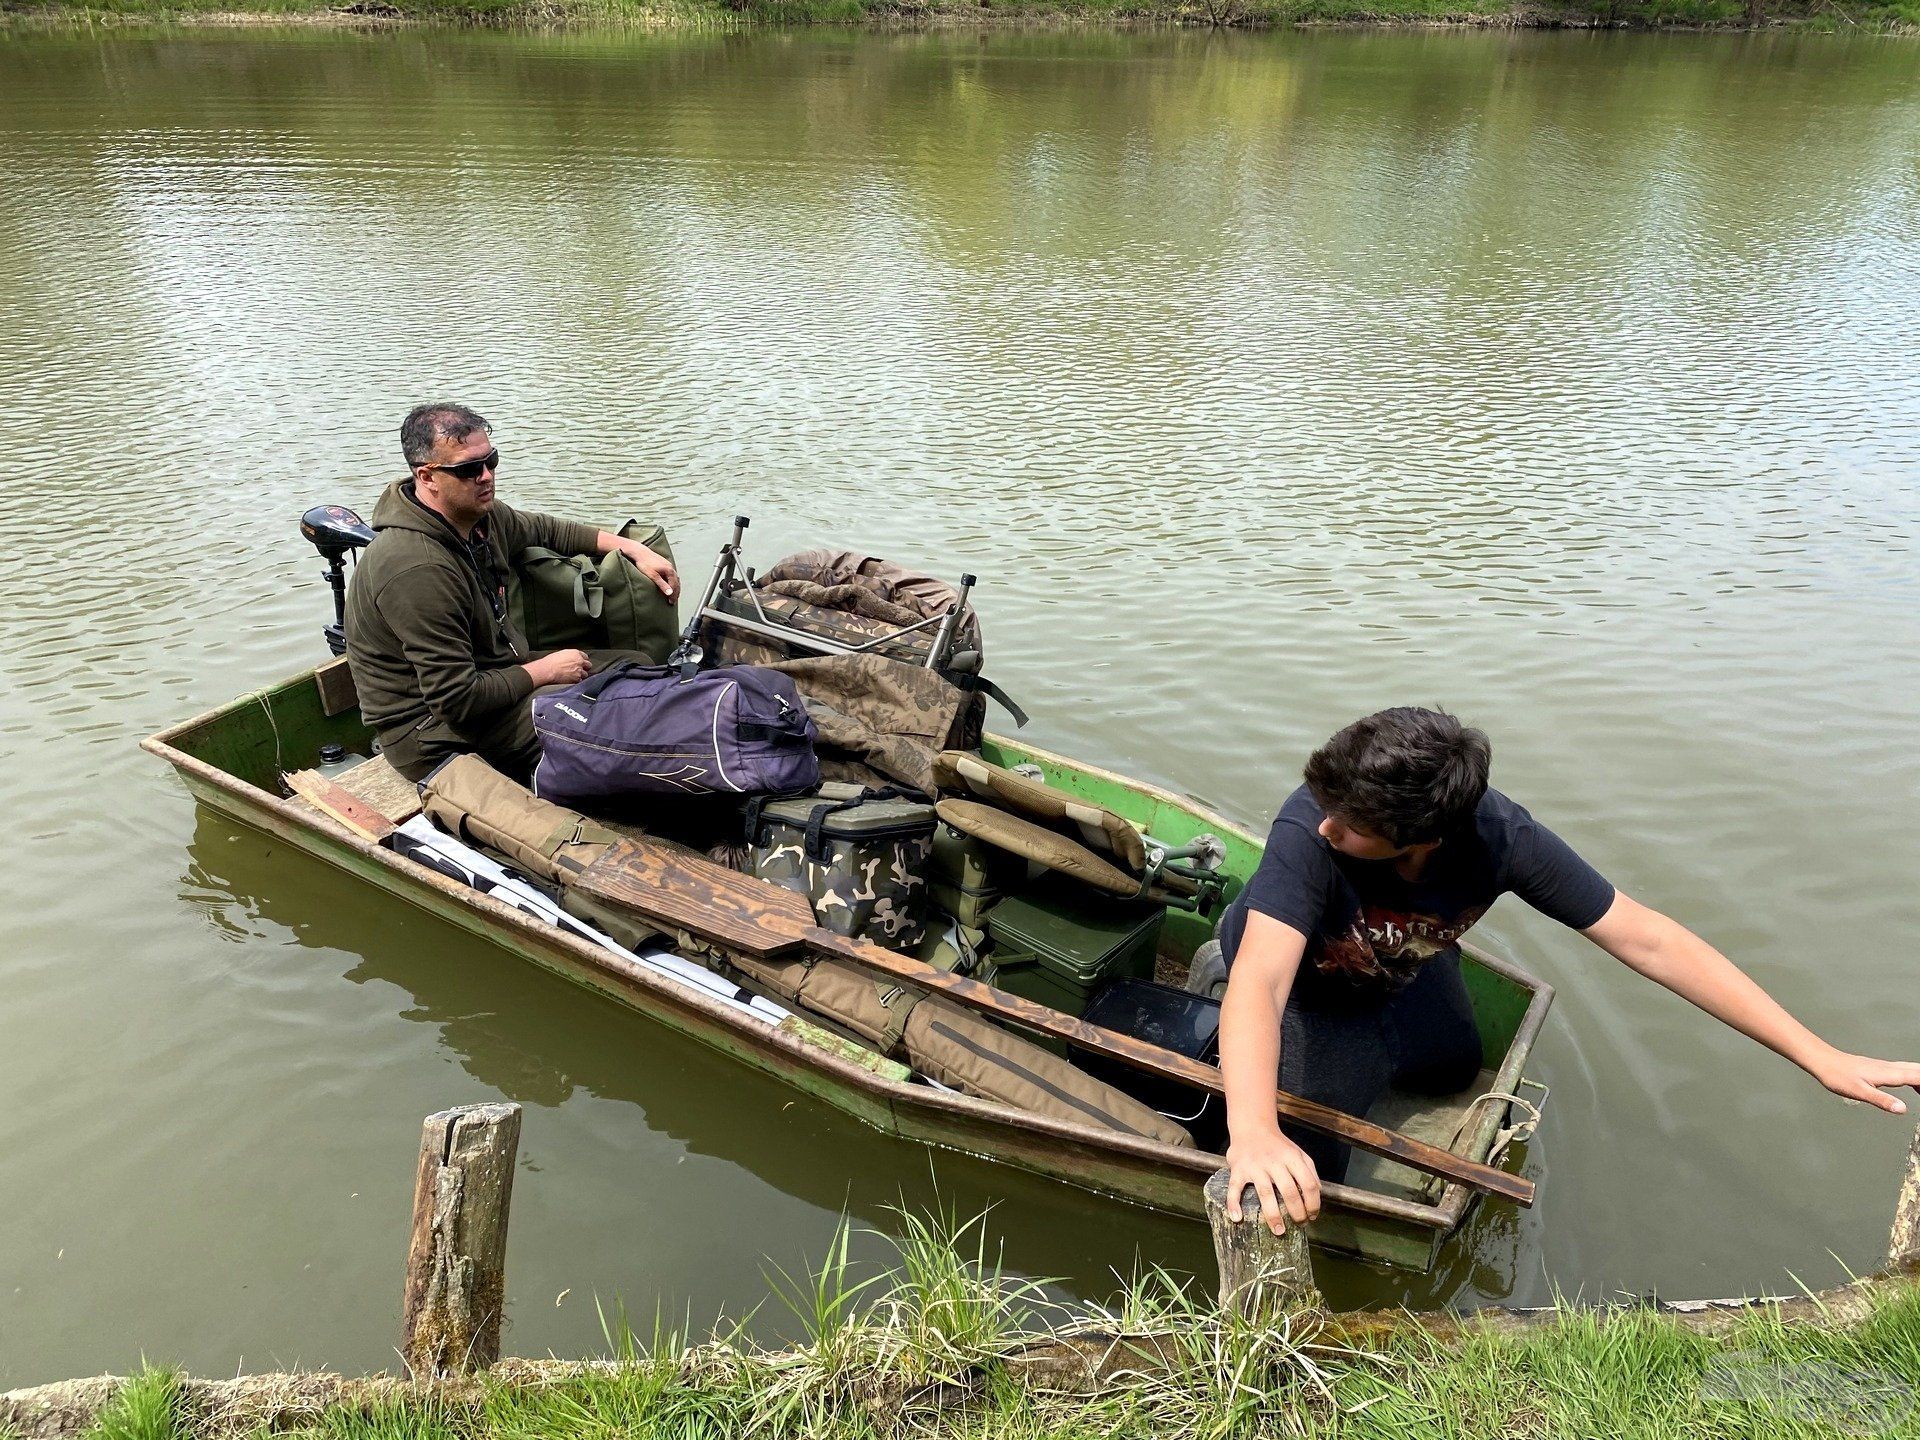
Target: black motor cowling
335	531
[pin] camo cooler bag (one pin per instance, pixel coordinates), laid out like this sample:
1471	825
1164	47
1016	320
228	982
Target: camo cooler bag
860	856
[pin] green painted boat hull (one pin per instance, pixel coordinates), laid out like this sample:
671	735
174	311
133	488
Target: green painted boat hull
231	759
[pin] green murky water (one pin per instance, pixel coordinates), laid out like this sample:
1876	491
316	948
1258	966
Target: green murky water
1567	380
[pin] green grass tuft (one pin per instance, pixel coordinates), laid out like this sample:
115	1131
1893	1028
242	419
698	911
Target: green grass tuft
147	1408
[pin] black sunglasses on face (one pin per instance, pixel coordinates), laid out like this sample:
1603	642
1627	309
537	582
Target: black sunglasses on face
471	469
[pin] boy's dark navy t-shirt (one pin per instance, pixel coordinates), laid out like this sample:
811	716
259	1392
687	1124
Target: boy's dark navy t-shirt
1369	930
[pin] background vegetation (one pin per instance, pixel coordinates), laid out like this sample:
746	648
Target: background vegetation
1834	15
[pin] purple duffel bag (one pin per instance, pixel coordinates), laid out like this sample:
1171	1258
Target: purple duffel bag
643	730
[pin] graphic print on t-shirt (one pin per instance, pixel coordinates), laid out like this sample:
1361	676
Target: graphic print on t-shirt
1390	945
1369	929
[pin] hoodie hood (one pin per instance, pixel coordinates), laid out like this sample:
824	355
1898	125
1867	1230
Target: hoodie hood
397	509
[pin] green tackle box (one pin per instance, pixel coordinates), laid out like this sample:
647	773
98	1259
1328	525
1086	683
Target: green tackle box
1060	941
970	876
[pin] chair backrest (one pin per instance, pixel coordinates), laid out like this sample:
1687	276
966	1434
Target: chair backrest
1098	828
1007	831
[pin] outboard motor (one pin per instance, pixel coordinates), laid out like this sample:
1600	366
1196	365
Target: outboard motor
335	530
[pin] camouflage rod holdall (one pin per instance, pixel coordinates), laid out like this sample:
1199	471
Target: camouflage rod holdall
592	602
860	856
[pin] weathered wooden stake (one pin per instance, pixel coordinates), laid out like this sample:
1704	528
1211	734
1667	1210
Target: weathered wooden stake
457	1259
1262	1275
1904	1248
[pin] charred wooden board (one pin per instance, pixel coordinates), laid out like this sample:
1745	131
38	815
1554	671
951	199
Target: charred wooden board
685	892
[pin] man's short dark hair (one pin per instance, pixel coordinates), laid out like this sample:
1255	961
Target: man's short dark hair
427	425
1407	775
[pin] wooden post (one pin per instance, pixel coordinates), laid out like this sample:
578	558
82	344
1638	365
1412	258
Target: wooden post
1262	1275
1903	1251
456	1261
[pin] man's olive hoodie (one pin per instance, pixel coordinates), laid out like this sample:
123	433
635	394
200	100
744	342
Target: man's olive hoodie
432	653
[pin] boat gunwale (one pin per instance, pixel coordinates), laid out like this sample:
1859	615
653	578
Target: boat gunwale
1441	1215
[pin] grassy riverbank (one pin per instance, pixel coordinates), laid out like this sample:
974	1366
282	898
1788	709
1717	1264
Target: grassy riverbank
1829	15
942	1346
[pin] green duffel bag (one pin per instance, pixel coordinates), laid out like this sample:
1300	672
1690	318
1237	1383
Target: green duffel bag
593	602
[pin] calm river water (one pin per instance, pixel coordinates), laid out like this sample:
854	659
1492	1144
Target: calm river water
1570	381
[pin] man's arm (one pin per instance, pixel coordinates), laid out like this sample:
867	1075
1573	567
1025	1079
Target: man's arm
1258	983
650	563
1668	953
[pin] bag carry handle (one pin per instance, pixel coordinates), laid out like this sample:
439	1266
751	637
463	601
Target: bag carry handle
817	816
589	597
590	688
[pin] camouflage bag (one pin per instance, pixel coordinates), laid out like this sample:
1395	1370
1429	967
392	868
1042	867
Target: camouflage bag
860	856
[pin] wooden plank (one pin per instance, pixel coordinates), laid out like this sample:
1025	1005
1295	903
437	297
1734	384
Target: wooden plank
384	789
685	892
337	804
335	684
766	921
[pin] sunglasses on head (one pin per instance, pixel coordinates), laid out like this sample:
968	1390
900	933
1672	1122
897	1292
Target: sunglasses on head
471	469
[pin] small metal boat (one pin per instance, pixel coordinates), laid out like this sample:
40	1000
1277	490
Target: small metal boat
233	758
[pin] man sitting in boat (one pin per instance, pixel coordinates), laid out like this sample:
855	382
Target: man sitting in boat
1344	965
439	668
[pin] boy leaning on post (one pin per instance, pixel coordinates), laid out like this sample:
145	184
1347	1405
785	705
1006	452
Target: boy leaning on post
1343	956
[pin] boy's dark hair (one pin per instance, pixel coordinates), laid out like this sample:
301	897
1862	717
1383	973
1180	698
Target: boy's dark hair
1407	775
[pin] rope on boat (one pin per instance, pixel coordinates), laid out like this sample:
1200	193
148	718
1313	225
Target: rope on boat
279	762
1502	1137
1506	1135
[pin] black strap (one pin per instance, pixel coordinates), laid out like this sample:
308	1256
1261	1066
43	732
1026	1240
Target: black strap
1007	702
752	817
817	821
590	688
757	803
754	730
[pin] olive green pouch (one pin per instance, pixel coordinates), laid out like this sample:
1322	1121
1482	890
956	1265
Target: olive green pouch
593	602
969	876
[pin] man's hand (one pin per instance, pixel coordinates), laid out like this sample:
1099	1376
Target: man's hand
562	667
655	566
1859	1077
1281	1174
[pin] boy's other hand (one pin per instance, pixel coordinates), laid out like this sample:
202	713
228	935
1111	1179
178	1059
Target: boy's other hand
1859	1077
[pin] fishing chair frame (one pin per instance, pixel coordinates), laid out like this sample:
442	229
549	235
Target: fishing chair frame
730	578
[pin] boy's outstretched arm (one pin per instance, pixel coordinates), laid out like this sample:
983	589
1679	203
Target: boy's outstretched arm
1258	983
1664	950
